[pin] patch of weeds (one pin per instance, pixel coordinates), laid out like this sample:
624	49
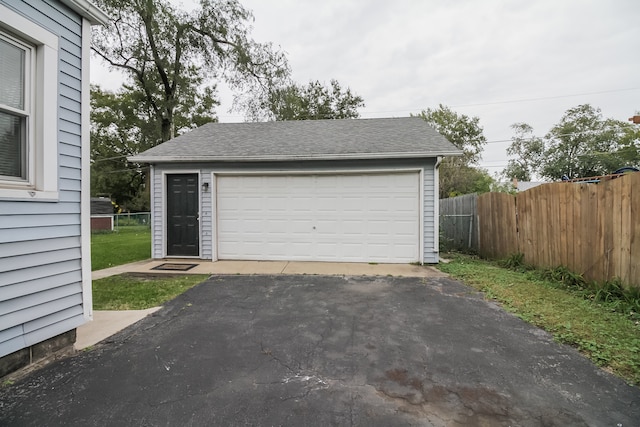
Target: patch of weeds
564	276
7	383
616	290
617	297
612	295
513	262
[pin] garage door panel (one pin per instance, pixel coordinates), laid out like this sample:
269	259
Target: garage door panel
300	226
378	251
276	227
275	204
382	204
352	206
354	227
349	217
328	250
229	227
301	206
327	184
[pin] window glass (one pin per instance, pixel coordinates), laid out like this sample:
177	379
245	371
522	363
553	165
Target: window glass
12	142
12	75
13	115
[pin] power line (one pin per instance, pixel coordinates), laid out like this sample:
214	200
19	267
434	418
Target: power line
583	132
542	98
480	104
140	169
110	158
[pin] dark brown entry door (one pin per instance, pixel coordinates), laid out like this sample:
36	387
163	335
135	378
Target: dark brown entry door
182	215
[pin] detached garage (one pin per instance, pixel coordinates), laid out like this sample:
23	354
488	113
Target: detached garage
324	190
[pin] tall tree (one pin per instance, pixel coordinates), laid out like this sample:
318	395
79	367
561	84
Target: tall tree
629	145
174	58
585	144
467	180
465	133
121	127
461	130
313	102
528	151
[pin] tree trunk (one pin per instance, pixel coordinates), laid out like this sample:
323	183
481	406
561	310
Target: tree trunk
167	126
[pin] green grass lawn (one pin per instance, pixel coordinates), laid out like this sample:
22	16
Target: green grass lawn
610	338
133	292
127	291
128	244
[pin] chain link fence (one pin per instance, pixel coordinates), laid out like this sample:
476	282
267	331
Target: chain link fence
138	219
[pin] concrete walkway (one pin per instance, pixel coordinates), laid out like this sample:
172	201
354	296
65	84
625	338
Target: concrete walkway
274	267
107	323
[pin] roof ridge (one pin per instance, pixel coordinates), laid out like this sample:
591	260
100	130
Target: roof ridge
332	139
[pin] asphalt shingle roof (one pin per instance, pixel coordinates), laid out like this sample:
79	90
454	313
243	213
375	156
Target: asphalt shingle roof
304	140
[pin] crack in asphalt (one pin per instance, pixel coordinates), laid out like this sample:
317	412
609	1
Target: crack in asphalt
312	351
267	351
353	332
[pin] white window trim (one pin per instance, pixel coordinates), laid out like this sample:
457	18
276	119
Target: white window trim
42	142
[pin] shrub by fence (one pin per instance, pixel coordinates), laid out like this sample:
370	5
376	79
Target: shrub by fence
593	229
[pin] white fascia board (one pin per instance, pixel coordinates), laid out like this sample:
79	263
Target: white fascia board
355	156
89	11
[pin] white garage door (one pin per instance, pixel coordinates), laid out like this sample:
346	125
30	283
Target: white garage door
349	218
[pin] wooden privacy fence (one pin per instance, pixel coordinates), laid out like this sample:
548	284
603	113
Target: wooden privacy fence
592	229
458	223
497	225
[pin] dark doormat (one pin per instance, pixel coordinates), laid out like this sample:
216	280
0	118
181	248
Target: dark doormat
172	266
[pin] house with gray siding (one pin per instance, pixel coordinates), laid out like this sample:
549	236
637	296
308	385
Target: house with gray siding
362	190
45	271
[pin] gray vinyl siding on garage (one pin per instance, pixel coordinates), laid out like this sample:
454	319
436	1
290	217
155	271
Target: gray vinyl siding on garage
206	215
40	243
430	200
156	213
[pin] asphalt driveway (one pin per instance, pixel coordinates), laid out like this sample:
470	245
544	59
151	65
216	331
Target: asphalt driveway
320	351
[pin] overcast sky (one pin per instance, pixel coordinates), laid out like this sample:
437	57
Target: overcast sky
503	61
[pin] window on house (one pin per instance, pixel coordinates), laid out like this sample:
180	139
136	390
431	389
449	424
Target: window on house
28	109
15	72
